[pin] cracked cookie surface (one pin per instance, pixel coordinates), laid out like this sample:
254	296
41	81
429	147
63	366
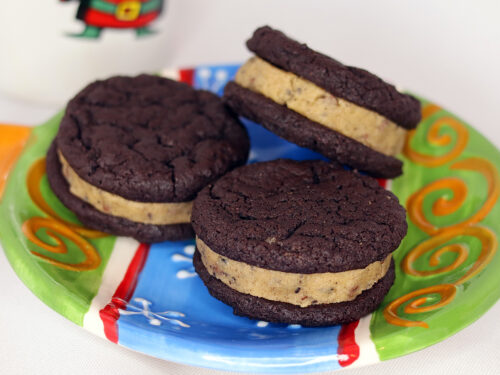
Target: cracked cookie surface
301	217
150	139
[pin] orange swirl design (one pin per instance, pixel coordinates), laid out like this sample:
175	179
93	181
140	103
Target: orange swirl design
444	206
438	243
488	249
446	293
435	138
461	252
56	227
53	229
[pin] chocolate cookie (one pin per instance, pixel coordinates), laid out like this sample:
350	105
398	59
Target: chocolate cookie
302	217
339	108
305	234
137	150
348	82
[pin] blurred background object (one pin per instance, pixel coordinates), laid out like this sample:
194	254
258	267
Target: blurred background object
50	49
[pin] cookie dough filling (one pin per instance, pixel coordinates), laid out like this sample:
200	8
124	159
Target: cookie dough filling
294	288
111	204
318	105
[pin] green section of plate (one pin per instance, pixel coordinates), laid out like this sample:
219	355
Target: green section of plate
475	296
67	292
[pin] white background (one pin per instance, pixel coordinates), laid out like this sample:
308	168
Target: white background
446	51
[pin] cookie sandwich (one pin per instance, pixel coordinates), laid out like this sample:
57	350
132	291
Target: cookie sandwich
131	154
292	242
345	113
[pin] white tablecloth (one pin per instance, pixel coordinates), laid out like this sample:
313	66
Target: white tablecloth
447	51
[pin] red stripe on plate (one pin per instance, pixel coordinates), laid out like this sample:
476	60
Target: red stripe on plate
382	182
187	76
348	349
110	313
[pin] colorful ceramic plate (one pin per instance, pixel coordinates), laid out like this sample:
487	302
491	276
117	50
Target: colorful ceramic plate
148	298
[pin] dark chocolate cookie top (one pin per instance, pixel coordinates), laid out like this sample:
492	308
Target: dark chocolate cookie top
300	217
150	139
353	84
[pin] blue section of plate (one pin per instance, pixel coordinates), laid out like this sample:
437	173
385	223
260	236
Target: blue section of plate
265	145
172	316
214	77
